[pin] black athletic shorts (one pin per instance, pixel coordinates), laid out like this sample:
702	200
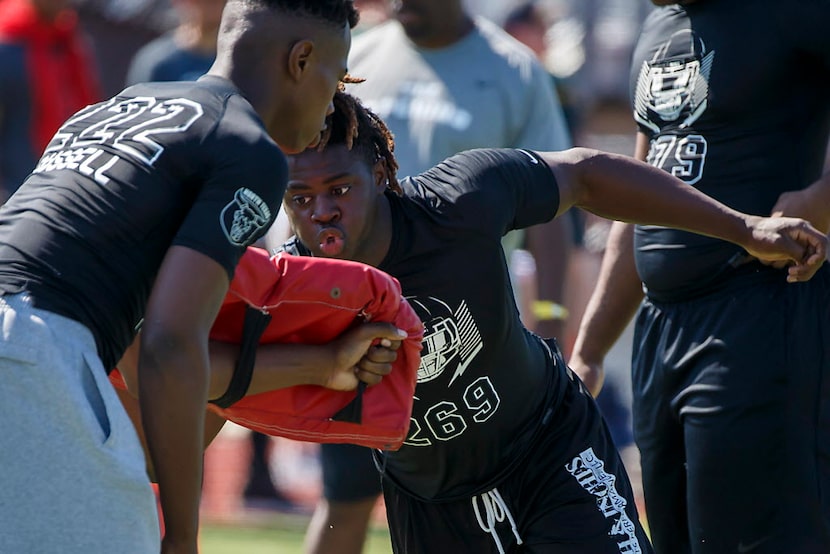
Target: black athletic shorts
732	418
553	503
349	473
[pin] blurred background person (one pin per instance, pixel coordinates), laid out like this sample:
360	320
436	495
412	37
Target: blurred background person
47	73
117	29
185	52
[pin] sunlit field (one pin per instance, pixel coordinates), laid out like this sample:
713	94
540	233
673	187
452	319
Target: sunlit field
282	536
230	527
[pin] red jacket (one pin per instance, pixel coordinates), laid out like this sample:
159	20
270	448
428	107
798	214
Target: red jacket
62	71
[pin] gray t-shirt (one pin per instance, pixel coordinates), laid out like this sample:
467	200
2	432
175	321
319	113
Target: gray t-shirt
487	90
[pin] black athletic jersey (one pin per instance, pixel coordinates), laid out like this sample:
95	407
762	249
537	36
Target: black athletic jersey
736	102
483	377
160	164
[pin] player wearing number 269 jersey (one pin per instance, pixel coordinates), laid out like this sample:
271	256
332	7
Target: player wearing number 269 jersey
507	451
497	412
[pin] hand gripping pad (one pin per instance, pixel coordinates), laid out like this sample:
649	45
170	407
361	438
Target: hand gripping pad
312	301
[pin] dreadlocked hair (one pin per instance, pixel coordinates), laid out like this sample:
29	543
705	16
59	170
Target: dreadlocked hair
359	129
337	12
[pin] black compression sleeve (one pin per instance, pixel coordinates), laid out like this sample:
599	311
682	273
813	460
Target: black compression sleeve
255	323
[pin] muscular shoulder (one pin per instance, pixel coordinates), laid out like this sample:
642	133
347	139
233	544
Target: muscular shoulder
482	171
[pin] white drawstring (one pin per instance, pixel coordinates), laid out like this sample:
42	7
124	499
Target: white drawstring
495	511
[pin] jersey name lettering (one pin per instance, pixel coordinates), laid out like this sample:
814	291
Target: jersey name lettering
130	126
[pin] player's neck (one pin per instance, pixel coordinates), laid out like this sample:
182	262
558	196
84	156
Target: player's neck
375	246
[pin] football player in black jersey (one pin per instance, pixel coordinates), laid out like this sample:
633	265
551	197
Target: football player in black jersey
135	218
507	451
731	364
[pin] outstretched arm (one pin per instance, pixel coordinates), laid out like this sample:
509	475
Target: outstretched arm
365	353
625	189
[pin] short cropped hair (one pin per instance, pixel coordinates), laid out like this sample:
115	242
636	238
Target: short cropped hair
337	12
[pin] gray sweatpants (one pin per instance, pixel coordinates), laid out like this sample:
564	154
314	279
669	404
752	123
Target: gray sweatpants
72	471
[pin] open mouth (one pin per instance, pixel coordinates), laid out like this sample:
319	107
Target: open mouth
331	242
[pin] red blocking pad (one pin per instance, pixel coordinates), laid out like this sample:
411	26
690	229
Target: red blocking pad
312	301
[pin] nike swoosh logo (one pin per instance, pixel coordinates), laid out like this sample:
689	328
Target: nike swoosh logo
743	548
529	155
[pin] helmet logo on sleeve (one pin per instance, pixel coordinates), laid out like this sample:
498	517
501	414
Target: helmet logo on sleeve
245	217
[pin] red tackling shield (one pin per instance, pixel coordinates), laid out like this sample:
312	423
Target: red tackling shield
312	301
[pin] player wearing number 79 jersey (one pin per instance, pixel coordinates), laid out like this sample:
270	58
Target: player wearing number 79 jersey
164	153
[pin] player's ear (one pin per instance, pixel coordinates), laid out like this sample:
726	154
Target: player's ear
380	175
299	57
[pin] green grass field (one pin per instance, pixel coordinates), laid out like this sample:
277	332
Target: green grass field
284	535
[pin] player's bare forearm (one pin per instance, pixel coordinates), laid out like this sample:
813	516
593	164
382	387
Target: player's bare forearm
277	366
338	365
550	244
173	372
286	365
622	188
173	377
615	298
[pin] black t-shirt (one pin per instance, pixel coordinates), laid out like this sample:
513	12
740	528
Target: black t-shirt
483	377
160	164
736	102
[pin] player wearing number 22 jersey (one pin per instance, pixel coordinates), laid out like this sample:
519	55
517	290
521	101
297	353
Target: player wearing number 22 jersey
96	174
81	244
